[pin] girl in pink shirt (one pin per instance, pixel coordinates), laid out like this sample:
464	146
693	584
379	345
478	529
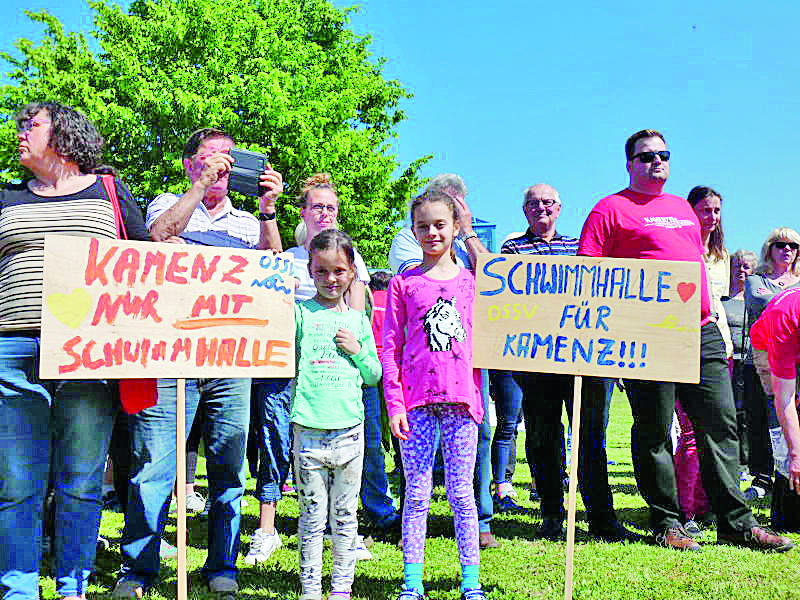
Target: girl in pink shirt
428	382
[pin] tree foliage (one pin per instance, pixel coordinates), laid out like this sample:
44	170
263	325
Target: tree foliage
286	77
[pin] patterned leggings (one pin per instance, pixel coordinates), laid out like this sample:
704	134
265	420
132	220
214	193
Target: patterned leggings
459	442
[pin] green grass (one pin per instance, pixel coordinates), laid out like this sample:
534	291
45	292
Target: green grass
522	567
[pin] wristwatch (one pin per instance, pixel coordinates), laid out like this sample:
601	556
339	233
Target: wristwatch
266	216
469	236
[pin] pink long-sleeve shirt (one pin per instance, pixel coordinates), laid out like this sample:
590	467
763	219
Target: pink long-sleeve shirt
427	343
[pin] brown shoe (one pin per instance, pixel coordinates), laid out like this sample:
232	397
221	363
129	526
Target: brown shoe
487	540
757	538
676	538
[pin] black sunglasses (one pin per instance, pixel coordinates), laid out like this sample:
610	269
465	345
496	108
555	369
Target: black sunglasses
782	245
648	157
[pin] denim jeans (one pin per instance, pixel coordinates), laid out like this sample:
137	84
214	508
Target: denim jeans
327	464
227	410
374	484
272	397
483	463
77	416
508	405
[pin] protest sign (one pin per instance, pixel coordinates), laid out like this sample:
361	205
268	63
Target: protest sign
637	319
114	309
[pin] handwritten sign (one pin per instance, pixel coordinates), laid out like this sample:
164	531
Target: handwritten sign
638	319
117	309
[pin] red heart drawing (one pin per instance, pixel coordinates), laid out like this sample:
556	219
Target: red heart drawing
686	290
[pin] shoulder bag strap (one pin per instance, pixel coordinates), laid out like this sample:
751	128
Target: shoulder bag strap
111	191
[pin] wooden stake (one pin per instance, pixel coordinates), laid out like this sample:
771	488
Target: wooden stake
573	487
180	449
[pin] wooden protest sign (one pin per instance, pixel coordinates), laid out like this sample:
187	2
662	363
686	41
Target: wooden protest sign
610	317
114	309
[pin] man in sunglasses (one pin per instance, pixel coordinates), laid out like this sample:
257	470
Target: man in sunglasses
643	222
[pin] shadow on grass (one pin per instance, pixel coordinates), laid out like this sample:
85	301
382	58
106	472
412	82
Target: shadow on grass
625	488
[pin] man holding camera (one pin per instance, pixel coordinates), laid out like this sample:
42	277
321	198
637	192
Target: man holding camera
204	210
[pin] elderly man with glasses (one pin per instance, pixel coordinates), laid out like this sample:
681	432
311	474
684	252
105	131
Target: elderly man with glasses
643	222
544	394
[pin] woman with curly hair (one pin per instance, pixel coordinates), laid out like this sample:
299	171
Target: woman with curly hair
50	429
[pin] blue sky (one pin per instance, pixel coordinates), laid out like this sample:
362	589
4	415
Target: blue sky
508	94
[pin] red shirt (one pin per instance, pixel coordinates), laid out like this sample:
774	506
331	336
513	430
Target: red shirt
776	332
633	225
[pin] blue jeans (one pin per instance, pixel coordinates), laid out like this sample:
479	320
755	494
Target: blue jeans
374	483
227	409
483	463
508	405
77	416
272	397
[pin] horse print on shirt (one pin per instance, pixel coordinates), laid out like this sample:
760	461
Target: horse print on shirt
442	323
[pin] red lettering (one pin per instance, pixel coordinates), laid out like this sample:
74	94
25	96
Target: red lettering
148	308
241	263
227	349
181	345
145	350
105	305
160	351
240	360
270	353
86	358
209	304
128	261
223	304
131	356
239	300
157	260
76	359
199	267
174	268
95	270
206	351
113	353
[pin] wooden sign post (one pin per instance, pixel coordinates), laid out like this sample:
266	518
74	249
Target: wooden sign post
114	309
605	317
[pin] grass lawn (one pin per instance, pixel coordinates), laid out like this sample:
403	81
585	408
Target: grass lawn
522	567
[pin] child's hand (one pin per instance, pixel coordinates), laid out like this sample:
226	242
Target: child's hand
347	342
399	426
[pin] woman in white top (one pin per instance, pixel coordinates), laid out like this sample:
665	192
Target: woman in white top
319	209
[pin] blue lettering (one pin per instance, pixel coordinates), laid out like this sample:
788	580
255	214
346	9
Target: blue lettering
662	286
486	271
538	341
604	285
552	287
628	296
642	297
511	272
561	344
602	313
615	283
508	349
602	355
565	315
586	353
523	347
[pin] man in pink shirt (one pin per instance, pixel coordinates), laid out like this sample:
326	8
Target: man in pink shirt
643	222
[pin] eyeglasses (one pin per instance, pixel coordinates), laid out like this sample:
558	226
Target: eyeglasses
782	245
318	209
27	125
648	157
546	202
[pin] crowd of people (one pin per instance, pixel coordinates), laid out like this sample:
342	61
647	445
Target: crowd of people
369	346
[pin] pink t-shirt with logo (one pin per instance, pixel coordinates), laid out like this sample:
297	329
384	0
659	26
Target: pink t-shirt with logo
427	343
633	225
776	332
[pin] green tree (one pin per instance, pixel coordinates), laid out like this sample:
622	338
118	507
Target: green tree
286	77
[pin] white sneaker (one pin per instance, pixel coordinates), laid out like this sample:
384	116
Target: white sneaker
195	502
262	545
362	553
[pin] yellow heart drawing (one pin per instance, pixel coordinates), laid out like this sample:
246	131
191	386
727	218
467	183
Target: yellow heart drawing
71	308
